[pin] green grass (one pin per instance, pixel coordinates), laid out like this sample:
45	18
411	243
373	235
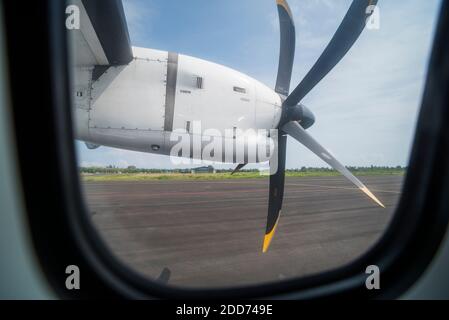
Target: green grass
226	175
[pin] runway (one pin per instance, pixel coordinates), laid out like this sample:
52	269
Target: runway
210	233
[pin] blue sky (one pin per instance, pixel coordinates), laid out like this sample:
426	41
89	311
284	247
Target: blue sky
366	108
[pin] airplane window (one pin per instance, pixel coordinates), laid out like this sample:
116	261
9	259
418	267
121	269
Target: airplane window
206	190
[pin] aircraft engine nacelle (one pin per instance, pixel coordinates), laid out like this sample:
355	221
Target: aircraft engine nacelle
140	105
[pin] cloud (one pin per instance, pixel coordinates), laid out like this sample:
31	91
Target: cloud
368	105
139	16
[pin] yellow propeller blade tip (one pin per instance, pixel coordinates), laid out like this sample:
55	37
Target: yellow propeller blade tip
284	4
268	237
372	196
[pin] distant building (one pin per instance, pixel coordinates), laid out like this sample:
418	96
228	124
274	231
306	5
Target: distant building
208	169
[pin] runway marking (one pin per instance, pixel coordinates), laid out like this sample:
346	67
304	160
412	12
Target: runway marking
196	193
257	201
227	192
342	188
218	181
264	199
161	182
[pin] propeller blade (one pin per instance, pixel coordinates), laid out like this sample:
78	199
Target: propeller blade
298	132
347	34
238	168
287	48
276	192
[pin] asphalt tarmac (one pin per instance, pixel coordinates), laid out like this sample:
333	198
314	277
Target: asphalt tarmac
210	233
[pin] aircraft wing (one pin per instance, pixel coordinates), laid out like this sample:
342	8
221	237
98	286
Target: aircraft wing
103	38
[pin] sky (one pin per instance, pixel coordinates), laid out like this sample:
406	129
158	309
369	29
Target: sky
366	109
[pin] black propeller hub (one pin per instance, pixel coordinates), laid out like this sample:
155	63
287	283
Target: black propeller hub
302	114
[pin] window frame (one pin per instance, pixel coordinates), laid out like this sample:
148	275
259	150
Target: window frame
57	217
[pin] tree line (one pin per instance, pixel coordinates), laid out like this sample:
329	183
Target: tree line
111	169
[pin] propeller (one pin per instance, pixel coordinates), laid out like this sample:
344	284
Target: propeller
299	134
238	168
277	182
296	118
347	34
287	52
